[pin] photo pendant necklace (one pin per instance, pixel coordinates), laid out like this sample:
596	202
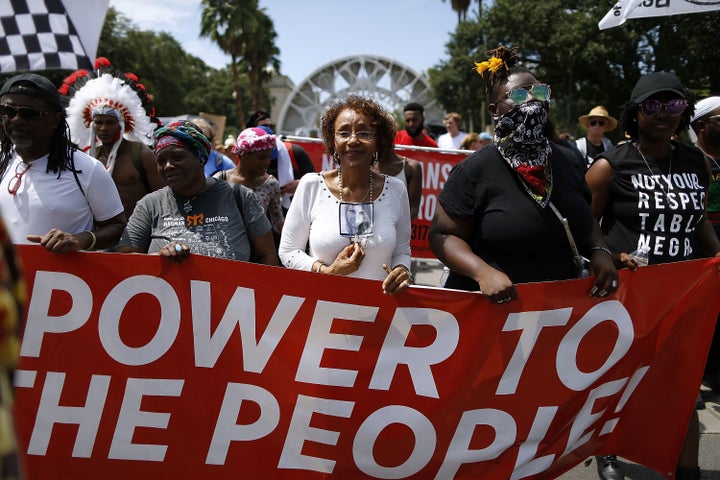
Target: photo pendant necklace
669	174
356	220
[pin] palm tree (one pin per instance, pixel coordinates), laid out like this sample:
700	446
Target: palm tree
261	53
461	7
228	23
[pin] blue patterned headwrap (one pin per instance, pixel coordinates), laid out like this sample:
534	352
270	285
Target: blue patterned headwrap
183	134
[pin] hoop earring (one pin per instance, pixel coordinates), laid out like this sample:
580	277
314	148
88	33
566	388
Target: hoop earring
375	157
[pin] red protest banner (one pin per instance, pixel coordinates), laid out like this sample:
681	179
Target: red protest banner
436	168
214	369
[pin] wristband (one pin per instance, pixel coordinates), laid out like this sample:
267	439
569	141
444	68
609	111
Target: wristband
602	249
320	264
94	239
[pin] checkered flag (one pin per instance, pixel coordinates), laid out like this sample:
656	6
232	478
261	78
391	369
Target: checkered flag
39	35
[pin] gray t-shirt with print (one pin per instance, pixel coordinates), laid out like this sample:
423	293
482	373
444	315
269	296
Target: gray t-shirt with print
210	224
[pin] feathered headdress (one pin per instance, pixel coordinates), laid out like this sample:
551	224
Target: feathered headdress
105	93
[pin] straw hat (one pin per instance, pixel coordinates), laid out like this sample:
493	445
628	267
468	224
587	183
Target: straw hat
599	112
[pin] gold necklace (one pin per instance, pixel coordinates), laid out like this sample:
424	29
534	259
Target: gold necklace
666	192
369	192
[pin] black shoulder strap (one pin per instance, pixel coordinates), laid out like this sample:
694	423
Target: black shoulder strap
137	161
238	197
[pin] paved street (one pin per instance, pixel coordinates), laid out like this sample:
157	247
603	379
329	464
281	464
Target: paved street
429	272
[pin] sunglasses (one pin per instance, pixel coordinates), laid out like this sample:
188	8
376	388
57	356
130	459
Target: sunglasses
26	113
672	107
519	95
14	183
597	122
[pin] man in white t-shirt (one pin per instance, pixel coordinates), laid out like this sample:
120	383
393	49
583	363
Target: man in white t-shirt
454	136
50	193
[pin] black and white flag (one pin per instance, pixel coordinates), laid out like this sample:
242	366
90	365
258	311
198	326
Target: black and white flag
46	34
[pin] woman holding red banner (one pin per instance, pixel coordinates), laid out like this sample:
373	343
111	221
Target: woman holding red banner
518	210
651	194
195	214
352	220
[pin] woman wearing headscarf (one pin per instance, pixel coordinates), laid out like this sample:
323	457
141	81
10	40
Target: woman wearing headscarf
195	214
253	147
355	131
500	215
651	194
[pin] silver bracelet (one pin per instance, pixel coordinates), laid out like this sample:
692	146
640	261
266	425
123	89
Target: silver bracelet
602	249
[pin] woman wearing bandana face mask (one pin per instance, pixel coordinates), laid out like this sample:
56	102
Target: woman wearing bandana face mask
497	220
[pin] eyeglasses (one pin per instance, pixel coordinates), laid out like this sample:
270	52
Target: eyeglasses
14	183
363	136
26	113
600	123
672	107
539	91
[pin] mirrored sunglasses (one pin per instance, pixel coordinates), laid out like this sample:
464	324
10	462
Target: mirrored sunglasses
672	107
26	113
520	95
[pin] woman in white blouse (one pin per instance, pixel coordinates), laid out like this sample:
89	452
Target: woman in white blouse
319	235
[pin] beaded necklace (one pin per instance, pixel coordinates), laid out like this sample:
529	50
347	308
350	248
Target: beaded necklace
369	192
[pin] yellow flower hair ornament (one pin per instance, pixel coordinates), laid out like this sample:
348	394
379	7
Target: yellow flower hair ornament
491	64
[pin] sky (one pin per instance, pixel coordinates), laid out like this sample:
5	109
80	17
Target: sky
312	33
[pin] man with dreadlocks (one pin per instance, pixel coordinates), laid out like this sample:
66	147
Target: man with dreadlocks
50	193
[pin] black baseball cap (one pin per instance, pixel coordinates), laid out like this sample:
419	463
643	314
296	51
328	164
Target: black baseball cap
656	82
35	86
255	118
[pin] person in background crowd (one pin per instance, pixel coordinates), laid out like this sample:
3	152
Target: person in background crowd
196	214
253	148
414	133
280	162
475	141
217	161
300	160
50	192
408	171
356	131
454	135
485	138
636	210
705	124
12	301
107	119
597	123
499	217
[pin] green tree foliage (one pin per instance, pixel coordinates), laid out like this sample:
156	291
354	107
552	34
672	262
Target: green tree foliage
244	31
179	83
456	84
261	53
560	41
